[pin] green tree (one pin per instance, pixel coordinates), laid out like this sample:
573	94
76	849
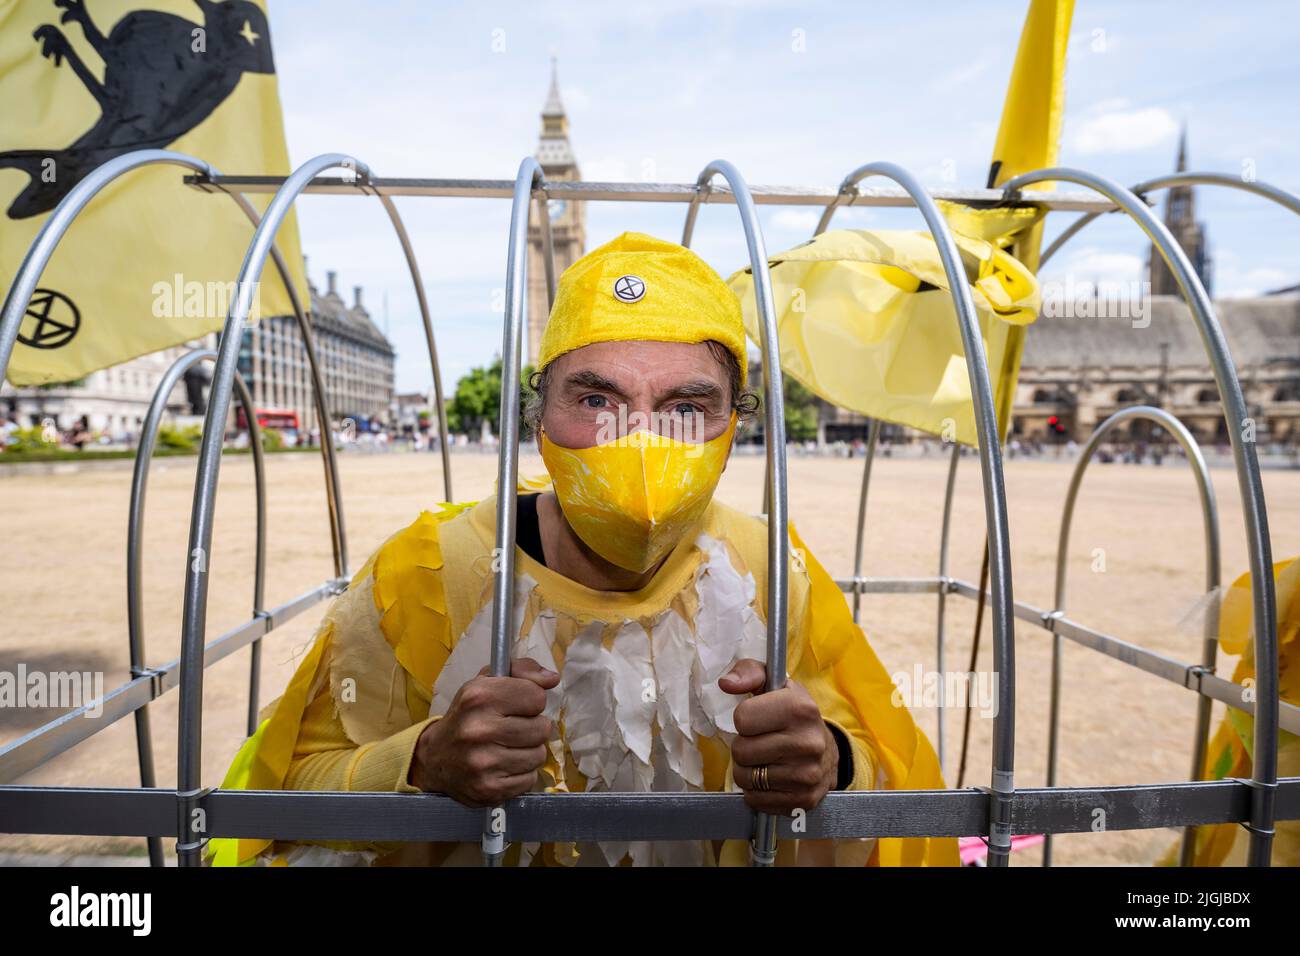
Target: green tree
182	439
800	412
478	398
31	439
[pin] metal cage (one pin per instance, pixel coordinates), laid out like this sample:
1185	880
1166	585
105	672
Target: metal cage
995	813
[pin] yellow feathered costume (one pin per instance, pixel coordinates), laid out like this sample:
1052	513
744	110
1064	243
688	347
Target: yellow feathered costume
1229	753
412	628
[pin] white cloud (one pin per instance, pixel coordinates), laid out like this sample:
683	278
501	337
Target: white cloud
796	220
1234	284
1113	128
961	77
1095	264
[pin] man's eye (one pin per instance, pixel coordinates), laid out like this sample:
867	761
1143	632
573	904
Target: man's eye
594	401
684	409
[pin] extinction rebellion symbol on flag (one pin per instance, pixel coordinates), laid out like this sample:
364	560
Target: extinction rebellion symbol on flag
51	320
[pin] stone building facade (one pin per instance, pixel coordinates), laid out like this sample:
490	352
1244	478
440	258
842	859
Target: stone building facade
1080	368
357	363
356	359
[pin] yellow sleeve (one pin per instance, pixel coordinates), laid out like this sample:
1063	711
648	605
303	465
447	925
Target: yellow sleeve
408	599
325	758
863	772
389	634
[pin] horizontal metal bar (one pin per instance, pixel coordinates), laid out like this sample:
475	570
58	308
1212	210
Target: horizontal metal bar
67	730
1190	676
1174	671
366	817
1231	694
865	585
1079	201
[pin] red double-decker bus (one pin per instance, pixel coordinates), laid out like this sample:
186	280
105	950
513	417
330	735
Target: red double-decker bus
281	419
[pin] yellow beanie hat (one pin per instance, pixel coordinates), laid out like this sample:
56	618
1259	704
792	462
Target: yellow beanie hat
639	287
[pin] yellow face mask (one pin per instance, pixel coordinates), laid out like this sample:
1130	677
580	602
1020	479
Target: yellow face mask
631	499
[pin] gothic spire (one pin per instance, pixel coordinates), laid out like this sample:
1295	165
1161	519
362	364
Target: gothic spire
553	105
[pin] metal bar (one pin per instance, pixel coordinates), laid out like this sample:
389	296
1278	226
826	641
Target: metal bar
333	486
134	597
67	730
134	538
51	234
38	254
873	437
259	565
190	843
1280	196
1264	765
995	507
846	193
654	192
699	195
413	265
941	610
529	179
365	816
869	585
548	246
1191	676
1209	649
763	846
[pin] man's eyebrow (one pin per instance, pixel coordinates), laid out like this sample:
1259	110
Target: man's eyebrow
586	378
700	388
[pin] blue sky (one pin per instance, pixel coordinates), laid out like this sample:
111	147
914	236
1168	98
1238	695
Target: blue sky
654	91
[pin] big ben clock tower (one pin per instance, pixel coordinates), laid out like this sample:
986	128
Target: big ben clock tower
568	220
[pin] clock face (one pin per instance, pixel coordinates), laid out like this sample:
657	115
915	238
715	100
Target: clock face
556	208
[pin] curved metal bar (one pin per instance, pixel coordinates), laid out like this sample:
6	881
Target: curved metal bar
702	190
548	246
38	254
134	540
1280	196
848	192
1209	650
529	178
995	505
51	234
1069	233
333	486
1264	767
778	536
191	837
259	567
400	228
873	437
943	574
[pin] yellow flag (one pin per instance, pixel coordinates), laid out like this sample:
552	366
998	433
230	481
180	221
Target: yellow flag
1028	138
150	263
866	319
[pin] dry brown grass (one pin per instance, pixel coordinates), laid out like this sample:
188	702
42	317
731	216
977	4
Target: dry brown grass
64	573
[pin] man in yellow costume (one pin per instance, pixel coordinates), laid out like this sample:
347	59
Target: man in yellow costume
639	605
